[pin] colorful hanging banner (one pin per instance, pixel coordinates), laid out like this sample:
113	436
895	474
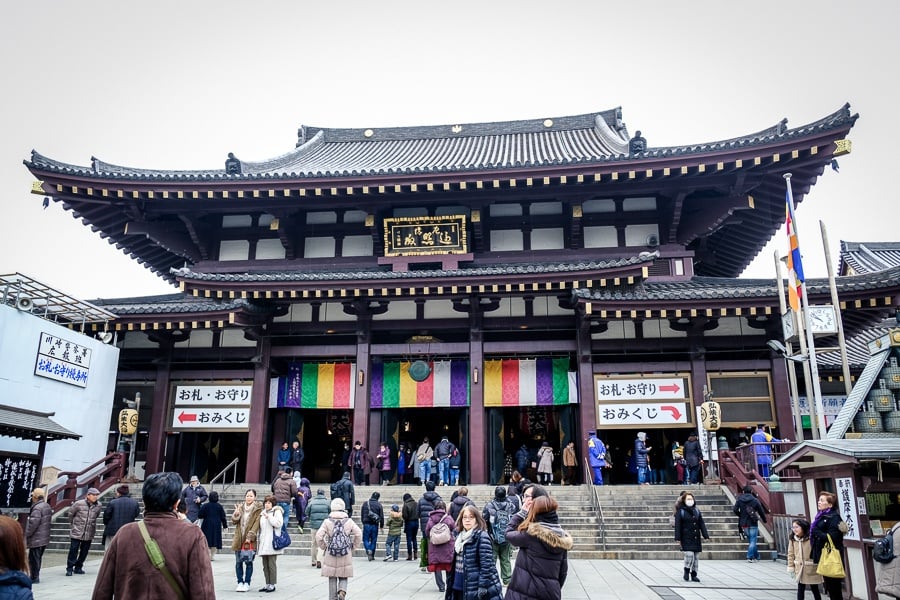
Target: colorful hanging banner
316	385
446	386
529	382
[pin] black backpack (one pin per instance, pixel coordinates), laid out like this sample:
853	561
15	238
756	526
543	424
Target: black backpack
883	550
339	543
750	513
335	490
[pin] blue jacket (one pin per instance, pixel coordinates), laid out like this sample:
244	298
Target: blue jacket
596	452
479	571
762	447
15	585
640	453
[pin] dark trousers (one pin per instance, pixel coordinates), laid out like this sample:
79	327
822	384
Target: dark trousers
358	476
35	557
78	551
411	529
833	587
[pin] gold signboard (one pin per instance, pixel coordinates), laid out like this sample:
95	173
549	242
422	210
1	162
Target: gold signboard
418	236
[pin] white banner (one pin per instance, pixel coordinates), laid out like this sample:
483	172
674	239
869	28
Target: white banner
645	388
211	419
62	360
653	413
237	394
846	504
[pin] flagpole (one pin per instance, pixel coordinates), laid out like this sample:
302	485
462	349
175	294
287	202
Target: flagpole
810	339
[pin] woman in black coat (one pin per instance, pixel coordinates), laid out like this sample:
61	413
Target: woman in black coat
473	574
828	522
689	528
214	522
542	563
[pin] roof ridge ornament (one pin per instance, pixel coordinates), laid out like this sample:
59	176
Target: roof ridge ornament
637	144
232	165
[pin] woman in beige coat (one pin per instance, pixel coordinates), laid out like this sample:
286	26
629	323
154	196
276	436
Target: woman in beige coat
338	568
246	520
799	564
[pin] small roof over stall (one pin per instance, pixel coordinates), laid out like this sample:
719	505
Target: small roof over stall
823	453
32	425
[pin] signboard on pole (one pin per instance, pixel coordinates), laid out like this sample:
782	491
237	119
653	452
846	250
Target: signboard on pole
212	407
211	419
634	401
644	413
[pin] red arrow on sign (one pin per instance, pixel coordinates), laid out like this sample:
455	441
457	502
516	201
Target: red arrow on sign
670	388
187	417
676	414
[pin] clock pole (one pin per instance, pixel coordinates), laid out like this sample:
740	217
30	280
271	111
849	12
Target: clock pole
791	366
819	425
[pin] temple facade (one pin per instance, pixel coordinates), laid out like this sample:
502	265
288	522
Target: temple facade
503	284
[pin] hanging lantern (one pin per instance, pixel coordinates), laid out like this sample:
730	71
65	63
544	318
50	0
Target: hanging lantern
128	421
710	416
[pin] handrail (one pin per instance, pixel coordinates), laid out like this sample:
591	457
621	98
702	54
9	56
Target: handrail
221	475
735	473
595	502
63	495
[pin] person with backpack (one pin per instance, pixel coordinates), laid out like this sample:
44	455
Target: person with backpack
410	514
316	512
338	537
888	579
426	504
372	517
750	512
442	453
496	515
440	531
459	499
799	564
346	491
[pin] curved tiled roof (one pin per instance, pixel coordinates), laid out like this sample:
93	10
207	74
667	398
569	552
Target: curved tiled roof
868	257
375	274
169	304
327	153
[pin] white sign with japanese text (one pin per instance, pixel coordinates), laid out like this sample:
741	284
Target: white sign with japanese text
63	360
238	394
846	504
641	389
219	418
646	413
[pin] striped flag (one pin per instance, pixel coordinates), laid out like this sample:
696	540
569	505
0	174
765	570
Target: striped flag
794	262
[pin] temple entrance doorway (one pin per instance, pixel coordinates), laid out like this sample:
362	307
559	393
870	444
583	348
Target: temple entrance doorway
412	425
205	453
322	434
511	428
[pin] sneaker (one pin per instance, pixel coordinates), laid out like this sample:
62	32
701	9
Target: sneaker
240	587
79	571
387	558
68	573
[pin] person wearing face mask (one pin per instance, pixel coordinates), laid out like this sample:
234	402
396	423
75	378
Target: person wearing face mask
689	528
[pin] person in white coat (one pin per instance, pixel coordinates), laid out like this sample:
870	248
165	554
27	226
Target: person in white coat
270	521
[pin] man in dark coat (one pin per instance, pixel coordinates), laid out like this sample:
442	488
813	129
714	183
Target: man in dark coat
346	491
372	517
426	505
193	496
37	533
750	512
522	459
126	571
693	459
123	509
360	462
297	457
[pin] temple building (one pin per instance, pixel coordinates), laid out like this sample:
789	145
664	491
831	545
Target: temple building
499	283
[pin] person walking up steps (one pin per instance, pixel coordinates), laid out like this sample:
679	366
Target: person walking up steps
411	526
395	528
750	512
689	528
338	537
497	514
372	516
316	512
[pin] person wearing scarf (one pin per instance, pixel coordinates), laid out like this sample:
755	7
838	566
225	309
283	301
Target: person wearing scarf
542	563
828	522
246	520
473	575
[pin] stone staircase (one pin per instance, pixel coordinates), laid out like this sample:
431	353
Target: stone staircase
636	519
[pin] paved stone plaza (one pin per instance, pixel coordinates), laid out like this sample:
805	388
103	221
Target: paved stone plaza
588	579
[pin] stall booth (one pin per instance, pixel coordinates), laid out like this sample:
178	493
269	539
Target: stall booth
864	474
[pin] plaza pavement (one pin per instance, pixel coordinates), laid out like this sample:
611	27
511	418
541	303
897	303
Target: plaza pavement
588	579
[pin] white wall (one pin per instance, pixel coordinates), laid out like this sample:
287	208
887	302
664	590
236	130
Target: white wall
85	411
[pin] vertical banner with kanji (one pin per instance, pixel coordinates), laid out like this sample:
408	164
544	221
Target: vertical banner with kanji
847	506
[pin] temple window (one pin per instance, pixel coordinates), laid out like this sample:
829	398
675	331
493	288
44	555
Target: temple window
640	235
269	248
318	247
506	240
547	239
678	263
633	204
232	221
319	218
600	236
234	250
357	245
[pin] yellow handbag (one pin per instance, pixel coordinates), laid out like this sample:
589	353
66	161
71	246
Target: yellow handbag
830	564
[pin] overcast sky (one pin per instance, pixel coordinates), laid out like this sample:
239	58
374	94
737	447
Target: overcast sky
178	85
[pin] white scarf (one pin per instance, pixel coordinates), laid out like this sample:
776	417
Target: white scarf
462	539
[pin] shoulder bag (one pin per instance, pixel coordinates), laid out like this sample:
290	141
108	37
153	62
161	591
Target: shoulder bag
158	560
830	564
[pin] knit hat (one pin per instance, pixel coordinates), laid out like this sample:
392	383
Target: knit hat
337	505
93	491
37	493
195	478
395	507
